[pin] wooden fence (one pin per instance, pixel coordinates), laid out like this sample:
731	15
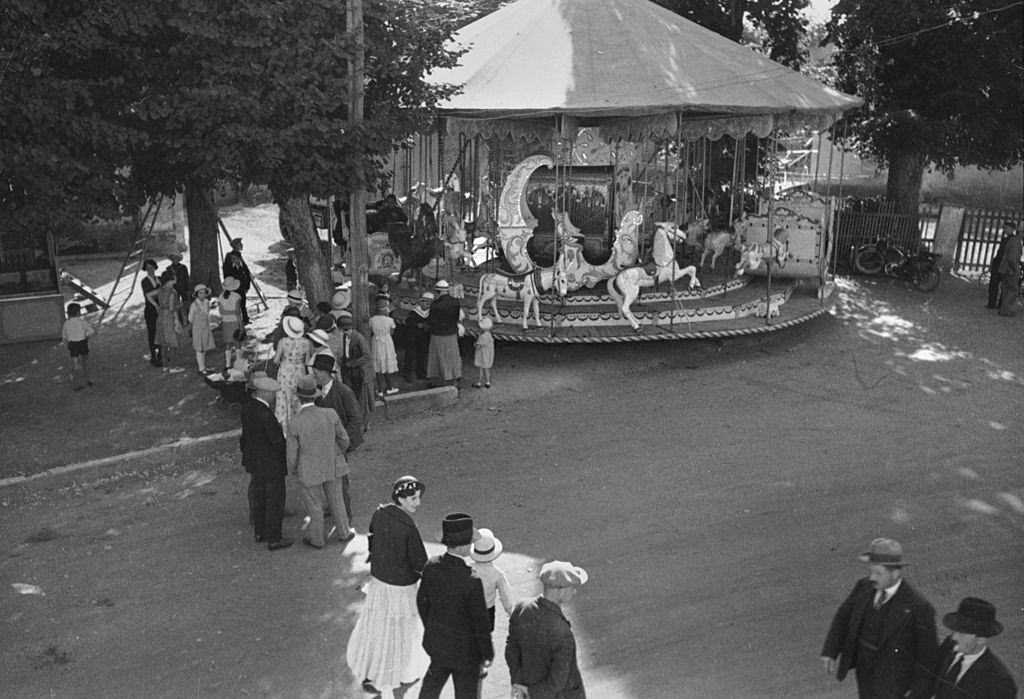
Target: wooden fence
980	235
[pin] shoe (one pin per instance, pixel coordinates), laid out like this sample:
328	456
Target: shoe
310	544
487	385
279	544
351	535
391	391
476	385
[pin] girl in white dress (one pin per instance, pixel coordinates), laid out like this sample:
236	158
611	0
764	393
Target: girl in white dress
385	359
199	319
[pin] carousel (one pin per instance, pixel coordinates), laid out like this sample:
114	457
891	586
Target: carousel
608	173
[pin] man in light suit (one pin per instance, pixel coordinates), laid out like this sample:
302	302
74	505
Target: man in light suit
317	442
541	649
341	399
456	625
884	630
966	667
263	457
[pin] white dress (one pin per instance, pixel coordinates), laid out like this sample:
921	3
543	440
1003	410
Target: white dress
385	360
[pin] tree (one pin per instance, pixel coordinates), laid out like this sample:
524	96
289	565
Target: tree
942	85
778	25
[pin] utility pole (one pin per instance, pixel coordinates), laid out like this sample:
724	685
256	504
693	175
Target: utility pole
358	254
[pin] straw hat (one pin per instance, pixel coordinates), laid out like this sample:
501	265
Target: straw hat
487	548
293	327
318	337
231	284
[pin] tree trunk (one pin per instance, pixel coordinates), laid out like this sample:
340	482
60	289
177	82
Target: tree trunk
903	187
203	231
313	269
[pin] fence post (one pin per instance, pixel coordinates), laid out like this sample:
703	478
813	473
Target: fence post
947	235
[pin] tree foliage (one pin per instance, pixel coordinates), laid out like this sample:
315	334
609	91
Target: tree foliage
778	25
942	82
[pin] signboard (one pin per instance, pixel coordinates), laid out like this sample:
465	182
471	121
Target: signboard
383	259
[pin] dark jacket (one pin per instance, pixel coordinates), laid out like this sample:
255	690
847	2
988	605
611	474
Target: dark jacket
342	400
987	678
907	644
541	651
397	555
262	441
456	625
234	266
444	316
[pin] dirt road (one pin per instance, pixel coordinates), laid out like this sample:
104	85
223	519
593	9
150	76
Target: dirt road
717	494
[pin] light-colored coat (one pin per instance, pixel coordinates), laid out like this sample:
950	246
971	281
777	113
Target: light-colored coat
317	442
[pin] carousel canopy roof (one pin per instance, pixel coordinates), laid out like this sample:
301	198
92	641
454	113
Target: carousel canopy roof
599	61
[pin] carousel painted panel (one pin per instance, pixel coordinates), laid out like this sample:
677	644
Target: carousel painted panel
383	259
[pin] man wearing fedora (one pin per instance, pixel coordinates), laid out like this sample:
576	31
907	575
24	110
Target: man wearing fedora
183	285
884	630
456	628
263	457
234	266
316	446
541	650
966	666
340	398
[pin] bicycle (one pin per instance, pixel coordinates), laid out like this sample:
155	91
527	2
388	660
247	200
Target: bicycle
877	256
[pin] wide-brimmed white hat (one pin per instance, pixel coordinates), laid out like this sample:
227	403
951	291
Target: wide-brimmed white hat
293	327
295	295
487	547
231	284
319	337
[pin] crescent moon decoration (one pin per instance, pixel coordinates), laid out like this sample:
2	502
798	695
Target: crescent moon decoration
512	209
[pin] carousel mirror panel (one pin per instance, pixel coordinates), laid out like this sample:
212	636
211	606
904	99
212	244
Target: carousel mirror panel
586	191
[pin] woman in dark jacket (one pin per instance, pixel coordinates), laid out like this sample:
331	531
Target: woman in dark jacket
397	557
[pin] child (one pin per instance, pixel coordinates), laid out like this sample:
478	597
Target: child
199	319
230	310
75	334
483	358
487	548
385	360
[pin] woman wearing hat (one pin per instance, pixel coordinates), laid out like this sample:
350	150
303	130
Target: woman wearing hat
385	647
199	319
385	360
150	285
168	322
355	363
231	304
291	357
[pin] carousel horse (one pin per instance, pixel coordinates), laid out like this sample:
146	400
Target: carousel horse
773	254
415	247
624	287
516	286
716	242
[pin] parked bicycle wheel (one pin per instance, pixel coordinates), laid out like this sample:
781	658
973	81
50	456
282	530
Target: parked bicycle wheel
894	259
869	260
926	276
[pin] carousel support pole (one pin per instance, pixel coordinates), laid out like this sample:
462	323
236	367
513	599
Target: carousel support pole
828	186
675	219
770	146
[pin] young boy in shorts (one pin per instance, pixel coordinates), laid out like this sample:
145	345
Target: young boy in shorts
75	334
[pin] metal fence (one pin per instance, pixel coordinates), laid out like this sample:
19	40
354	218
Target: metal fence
980	235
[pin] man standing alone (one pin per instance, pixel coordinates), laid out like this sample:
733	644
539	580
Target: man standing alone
884	630
263	457
541	649
456	625
1009	269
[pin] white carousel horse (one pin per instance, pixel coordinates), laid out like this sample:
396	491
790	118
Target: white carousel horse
625	286
773	254
515	286
453	233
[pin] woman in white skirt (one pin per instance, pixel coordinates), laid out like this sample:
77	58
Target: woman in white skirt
386	646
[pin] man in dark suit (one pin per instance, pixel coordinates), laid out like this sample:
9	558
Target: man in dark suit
263	457
341	399
234	266
456	625
541	649
966	667
884	630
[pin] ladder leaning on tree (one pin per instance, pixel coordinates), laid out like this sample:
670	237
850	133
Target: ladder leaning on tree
120	292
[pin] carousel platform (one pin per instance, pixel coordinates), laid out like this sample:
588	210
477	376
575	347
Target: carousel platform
723	308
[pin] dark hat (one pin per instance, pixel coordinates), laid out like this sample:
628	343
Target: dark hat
323	307
323	363
345	320
457	530
974	616
884	552
325	322
306	387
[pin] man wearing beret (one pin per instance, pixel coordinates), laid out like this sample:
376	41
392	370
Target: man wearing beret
541	649
884	630
966	667
456	625
263	457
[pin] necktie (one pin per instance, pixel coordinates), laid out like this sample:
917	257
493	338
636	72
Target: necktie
879	599
953	673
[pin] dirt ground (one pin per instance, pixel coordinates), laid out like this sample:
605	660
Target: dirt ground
717	493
